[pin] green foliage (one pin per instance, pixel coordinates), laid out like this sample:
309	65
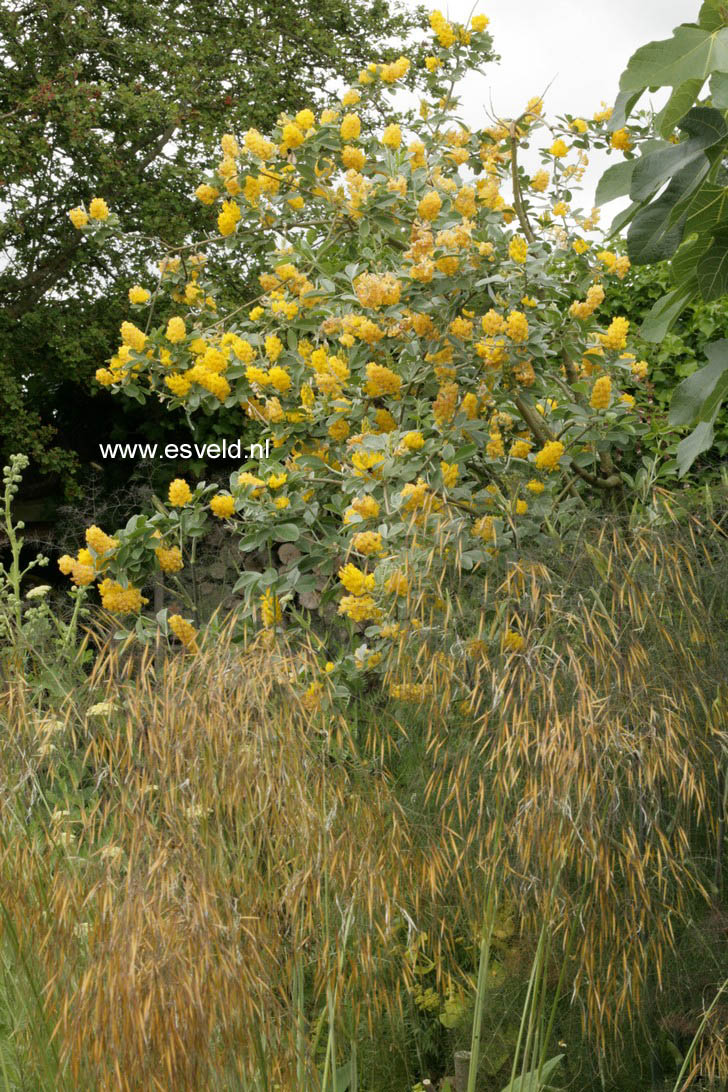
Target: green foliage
129	99
34	639
679	187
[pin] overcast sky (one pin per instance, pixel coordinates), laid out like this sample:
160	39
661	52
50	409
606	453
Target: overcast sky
581	45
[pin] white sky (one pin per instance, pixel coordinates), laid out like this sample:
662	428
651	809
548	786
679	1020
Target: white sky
583	46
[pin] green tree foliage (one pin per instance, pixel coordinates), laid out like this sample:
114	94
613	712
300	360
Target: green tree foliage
127	100
678	187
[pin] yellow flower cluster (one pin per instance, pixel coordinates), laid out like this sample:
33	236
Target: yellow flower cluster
355	581
450	472
443	30
132	336
270	609
381	381
616	335
518	249
99	542
430	205
549	456
183	630
222	505
621	140
79	217
390	73
98	209
179	493
517	327
176	330
350	128
81	569
601	393
228	217
364	507
120	600
360	608
619	265
392	137
170	559
583	309
367	543
377	290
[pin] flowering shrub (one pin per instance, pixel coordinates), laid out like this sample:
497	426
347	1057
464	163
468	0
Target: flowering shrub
425	351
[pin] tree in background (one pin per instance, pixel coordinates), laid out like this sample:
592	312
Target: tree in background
128	100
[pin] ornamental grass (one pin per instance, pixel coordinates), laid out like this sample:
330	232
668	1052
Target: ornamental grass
209	882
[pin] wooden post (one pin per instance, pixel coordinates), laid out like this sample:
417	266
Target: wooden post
462	1067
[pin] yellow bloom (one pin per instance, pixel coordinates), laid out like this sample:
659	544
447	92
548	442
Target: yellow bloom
450	473
535	486
222	505
132	336
305	119
601	393
292	136
616	335
381	380
352	158
98	209
228	217
621	140
137	294
99	542
79	217
270	608
558	149
350	128
520	449
206	194
397	584
518	249
120	600
513	641
479	22
430	205
183	630
367	542
170	559
179	493
392	137
176	330
360	608
517	327
549	456
273	347
356	581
